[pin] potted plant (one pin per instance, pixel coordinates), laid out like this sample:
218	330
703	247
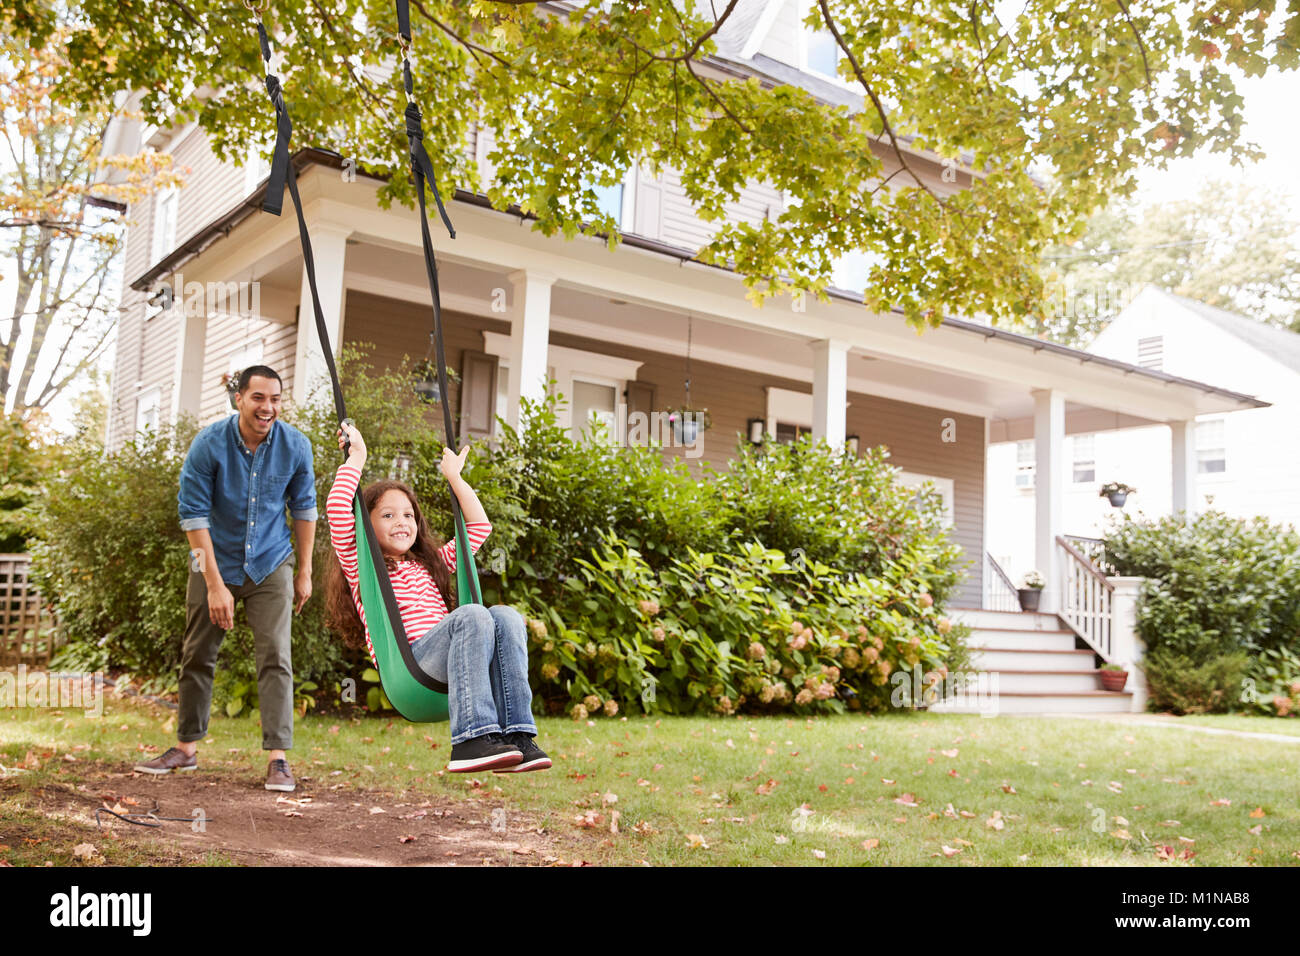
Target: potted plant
1116	491
1030	591
230	382
688	422
1113	677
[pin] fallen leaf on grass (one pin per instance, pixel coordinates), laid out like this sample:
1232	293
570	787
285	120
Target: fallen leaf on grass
696	842
1256	830
644	827
589	820
1220	803
948	851
87	852
870	844
995	821
1257	813
1007	788
907	800
1170	823
763	789
1122	834
406	839
949	753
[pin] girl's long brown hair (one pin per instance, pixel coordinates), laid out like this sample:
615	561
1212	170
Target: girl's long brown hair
340	611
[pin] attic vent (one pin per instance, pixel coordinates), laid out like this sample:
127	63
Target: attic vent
1151	352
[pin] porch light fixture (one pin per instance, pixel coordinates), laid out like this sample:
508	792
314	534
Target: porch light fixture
756	428
851	445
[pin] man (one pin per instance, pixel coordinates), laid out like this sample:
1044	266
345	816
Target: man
237	479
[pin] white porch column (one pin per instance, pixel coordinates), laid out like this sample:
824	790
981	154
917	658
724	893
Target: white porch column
1184	466
830	390
530	333
329	248
1127	647
1049	489
192	343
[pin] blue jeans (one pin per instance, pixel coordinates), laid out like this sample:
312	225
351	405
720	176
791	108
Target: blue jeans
481	654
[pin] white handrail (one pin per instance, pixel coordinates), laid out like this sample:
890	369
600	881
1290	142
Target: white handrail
1086	599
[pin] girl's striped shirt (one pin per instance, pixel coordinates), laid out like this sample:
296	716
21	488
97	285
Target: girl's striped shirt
418	600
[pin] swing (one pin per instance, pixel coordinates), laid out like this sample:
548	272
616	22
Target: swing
414	693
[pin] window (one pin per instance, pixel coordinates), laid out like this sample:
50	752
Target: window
146	410
592	383
164	223
1085	462
1025	464
789	434
1211	457
1151	352
593	401
943	486
821	52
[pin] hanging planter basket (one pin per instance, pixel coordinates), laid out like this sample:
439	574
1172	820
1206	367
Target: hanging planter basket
688	423
1117	492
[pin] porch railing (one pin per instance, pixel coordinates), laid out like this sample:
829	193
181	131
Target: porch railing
28	634
999	593
1086	598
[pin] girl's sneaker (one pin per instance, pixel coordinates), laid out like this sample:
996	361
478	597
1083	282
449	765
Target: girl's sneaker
534	757
483	753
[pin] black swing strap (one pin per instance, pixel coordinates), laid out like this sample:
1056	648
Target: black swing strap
422	169
282	173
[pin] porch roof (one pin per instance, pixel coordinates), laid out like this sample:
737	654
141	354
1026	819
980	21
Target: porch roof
946	371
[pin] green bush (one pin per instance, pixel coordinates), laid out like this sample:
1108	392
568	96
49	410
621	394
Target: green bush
1218	588
1184	685
723	633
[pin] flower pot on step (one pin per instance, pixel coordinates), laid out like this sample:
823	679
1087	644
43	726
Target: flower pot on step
1113	680
1029	598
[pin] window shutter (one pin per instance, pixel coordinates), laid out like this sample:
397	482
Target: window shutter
478	394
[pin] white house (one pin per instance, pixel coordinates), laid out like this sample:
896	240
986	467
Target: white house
614	326
1247	461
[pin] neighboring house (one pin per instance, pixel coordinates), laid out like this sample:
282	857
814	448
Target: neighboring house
612	327
1246	462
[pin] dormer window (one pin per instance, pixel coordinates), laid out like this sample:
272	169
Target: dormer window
821	52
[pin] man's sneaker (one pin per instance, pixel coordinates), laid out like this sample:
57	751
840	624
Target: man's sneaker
483	753
173	759
534	757
278	776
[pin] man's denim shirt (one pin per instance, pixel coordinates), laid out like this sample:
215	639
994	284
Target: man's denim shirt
240	496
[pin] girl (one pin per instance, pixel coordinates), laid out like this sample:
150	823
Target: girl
479	653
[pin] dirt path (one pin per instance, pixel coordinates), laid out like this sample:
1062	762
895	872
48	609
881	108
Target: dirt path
314	826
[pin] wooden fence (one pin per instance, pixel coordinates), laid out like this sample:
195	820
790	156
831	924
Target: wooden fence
28	632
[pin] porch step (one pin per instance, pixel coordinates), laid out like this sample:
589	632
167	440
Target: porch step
1031	659
1008	639
1029	662
1006	620
1015	702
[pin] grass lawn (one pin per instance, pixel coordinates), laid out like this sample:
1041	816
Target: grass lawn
901	789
